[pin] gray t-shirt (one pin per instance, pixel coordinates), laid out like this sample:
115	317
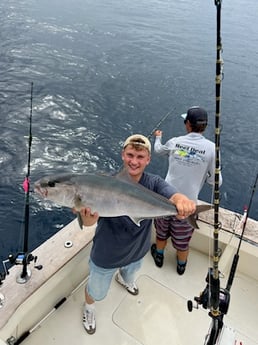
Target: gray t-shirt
191	160
118	241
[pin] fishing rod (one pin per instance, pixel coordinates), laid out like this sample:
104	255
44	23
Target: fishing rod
215	283
213	296
25	257
160	122
26	182
224	298
244	221
216	293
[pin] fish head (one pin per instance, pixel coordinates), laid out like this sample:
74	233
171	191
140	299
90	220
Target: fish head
60	189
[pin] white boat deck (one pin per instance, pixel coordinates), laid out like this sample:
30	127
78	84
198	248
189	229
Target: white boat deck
158	315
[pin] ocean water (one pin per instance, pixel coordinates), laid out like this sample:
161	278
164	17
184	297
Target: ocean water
104	69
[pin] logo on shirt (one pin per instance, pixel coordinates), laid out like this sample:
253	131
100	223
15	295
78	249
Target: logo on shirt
188	154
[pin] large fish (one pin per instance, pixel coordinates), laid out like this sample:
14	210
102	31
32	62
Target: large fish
110	196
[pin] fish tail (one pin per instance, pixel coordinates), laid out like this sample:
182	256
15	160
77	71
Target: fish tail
80	222
193	217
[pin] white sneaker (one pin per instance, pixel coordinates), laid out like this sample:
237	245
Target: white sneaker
131	288
89	321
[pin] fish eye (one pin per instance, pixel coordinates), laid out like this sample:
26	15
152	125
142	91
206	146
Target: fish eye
51	183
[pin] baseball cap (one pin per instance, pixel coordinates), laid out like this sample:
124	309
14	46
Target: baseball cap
139	140
196	115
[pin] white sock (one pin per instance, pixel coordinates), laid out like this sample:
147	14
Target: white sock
90	307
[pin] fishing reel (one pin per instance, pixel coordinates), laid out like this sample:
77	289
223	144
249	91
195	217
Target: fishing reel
206	297
23	259
2	277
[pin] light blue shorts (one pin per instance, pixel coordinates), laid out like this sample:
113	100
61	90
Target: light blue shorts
100	278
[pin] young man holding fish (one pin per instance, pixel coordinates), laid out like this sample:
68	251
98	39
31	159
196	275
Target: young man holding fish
119	244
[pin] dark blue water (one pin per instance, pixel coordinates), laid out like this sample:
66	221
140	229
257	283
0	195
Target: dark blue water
104	69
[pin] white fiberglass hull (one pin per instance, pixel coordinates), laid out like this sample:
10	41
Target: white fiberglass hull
157	315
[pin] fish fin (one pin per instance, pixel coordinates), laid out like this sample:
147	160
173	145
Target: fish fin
136	221
124	176
192	221
79	217
77	201
193	217
203	208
